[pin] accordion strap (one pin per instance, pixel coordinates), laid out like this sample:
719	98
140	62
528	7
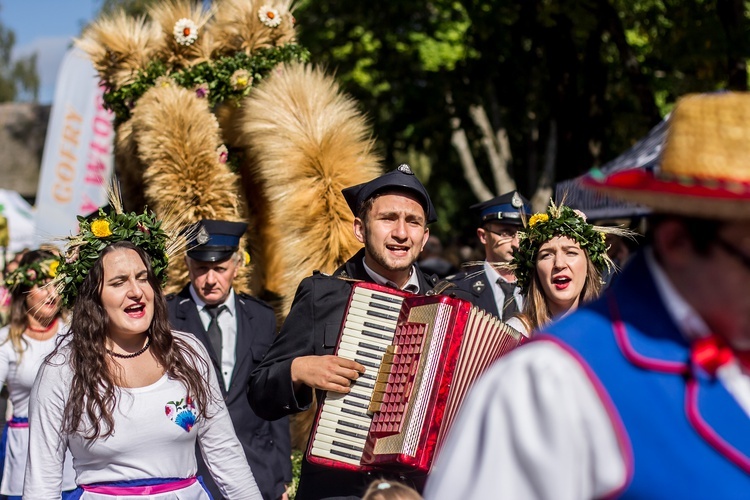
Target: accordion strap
441	287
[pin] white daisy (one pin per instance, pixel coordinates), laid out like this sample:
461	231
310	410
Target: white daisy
185	31
269	16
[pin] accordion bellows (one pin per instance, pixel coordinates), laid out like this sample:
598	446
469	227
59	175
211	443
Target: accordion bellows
422	354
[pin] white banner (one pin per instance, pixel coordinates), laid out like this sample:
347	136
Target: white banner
77	160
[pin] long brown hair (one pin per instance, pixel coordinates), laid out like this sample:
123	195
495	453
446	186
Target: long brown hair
94	389
19	311
536	311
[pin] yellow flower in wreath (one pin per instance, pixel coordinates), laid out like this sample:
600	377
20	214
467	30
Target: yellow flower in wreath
100	228
537	218
53	268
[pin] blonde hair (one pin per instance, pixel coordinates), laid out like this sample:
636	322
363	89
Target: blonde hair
536	311
383	489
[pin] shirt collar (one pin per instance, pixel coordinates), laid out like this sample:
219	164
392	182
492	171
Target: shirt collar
229	303
411	286
684	316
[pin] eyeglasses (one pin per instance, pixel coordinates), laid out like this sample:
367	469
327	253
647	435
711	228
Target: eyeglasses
734	251
503	233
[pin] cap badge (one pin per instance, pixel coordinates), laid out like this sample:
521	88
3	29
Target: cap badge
202	237
405	169
516	201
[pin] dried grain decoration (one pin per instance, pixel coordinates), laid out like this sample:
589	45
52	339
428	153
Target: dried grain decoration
165	15
304	142
178	138
237	26
120	46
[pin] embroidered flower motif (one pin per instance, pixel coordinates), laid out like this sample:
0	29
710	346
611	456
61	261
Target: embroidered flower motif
53	268
185	31
100	228
201	90
537	218
182	413
269	16
223	153
240	79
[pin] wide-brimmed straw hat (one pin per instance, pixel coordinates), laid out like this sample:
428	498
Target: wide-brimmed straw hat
705	166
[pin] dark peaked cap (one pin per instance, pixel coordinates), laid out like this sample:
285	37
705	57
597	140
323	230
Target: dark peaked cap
506	208
214	240
400	179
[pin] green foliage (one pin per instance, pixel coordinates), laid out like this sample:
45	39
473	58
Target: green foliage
84	249
31	274
604	71
217	79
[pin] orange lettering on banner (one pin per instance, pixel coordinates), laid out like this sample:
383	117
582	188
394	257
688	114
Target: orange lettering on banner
65	171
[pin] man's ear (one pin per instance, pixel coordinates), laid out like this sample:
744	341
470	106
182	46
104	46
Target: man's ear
672	244
426	237
482	235
359	230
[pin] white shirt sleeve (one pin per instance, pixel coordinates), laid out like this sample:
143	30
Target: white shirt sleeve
532	427
47	444
220	447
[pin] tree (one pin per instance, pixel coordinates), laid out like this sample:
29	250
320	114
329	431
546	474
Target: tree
488	95
16	76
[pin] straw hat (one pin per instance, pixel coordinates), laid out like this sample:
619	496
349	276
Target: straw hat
705	167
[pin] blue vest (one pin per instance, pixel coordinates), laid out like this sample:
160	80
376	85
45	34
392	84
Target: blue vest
682	434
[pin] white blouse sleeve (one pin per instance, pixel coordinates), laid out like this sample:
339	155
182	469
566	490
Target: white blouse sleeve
6	355
221	450
47	444
532	427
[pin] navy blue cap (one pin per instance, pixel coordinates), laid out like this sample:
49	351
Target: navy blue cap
506	208
402	178
214	240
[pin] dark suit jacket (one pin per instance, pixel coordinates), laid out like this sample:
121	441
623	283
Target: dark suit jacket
267	444
472	285
312	328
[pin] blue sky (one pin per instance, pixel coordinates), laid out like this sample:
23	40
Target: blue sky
46	27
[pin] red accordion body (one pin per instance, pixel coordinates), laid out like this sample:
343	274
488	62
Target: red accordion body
398	414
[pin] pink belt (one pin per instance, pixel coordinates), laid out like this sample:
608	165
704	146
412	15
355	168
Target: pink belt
141	490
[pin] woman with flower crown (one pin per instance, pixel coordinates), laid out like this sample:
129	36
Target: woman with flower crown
128	396
559	265
36	324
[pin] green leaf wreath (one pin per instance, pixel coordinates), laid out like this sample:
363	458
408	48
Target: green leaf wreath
226	78
558	221
83	250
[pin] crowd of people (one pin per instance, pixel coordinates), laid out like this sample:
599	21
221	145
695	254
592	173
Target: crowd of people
629	385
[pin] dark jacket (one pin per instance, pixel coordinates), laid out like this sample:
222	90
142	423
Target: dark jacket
472	285
312	328
266	444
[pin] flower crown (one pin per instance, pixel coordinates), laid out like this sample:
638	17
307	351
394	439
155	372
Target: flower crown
560	220
83	250
33	273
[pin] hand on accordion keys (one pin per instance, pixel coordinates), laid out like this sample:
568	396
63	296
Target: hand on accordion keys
329	373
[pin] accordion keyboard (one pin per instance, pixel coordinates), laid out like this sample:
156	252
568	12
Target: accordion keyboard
369	326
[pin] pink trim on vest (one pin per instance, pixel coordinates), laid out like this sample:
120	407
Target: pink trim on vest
17	425
153	489
707	432
626	449
636	358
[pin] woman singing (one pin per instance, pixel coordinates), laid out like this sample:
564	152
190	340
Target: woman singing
128	396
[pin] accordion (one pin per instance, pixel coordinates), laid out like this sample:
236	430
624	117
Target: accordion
421	354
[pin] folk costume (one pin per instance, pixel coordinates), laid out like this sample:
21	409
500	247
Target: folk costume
480	283
248	326
634	395
312	328
150	452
